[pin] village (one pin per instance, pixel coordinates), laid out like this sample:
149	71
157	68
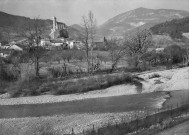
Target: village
53	41
80	68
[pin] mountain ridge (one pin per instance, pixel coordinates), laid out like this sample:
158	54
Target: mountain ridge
138	18
117	26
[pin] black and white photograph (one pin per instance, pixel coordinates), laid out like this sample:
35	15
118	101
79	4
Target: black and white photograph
94	67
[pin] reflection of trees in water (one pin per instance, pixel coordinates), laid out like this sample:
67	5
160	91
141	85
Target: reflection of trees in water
138	84
139	87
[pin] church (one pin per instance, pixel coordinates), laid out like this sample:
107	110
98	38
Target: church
57	26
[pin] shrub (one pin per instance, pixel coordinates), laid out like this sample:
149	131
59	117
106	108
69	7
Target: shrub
3	86
9	73
155	75
138	69
25	88
56	72
91	83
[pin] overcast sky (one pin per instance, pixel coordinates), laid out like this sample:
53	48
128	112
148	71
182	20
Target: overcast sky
71	11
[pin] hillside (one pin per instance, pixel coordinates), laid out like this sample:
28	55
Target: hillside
138	18
75	31
12	23
174	28
8	20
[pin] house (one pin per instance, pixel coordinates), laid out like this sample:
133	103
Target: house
3	55
45	42
159	50
99	45
75	43
59	44
4	47
186	35
11	47
6	50
57	26
15	47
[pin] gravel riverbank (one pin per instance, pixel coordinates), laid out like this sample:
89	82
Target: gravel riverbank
62	124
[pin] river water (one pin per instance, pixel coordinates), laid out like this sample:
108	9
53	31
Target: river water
123	103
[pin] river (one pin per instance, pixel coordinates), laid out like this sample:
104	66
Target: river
123	103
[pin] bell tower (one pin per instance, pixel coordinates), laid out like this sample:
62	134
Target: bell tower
54	23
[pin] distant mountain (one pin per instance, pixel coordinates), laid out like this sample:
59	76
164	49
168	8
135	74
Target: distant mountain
77	27
138	18
75	31
174	28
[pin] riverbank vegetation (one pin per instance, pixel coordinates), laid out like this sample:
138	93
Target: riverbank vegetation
58	87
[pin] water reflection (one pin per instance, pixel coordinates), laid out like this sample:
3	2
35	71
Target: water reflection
99	105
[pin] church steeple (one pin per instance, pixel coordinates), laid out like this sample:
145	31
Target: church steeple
54	23
57	26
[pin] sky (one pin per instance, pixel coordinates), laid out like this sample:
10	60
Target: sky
71	11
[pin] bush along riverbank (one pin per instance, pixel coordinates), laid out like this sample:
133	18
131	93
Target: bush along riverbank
81	85
148	125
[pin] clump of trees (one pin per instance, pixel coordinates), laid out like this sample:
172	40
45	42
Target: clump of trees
137	45
63	33
171	55
131	49
174	54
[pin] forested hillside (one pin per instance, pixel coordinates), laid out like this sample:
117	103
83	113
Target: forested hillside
174	28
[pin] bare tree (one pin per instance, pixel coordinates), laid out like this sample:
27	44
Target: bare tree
32	30
92	27
85	38
89	30
116	51
137	45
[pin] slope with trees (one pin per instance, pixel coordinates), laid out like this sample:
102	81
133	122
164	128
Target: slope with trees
174	28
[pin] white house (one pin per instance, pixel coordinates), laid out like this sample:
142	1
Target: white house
159	50
45	42
5	47
11	46
56	42
75	43
186	35
3	55
15	47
